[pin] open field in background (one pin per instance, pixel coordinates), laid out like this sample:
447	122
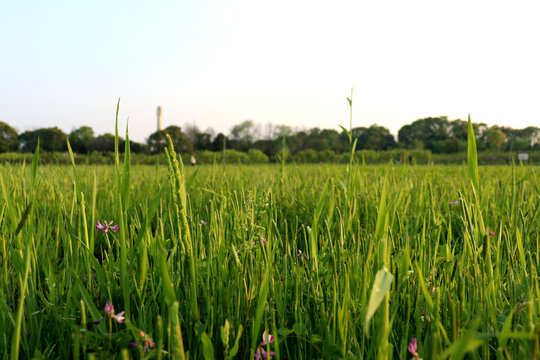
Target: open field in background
294	250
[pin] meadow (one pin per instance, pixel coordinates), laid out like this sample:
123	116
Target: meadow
328	261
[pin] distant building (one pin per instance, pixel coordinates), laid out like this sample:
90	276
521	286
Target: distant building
159	123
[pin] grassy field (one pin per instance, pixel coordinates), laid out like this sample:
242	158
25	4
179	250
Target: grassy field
329	263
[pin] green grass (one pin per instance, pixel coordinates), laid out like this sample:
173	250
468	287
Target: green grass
384	258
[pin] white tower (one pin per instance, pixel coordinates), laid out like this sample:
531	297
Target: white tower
159	124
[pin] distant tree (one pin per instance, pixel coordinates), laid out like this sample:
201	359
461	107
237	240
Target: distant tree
80	138
335	142
376	138
535	138
417	145
526	138
219	142
432	132
200	140
359	133
495	139
243	134
137	147
317	140
458	129
295	142
50	139
105	143
158	140
267	146
452	145
9	140
281	130
243	131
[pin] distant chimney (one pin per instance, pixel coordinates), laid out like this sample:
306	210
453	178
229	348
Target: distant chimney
159	124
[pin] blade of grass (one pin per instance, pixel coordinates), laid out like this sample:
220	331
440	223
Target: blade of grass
472	156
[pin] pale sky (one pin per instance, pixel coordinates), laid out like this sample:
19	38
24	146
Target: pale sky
217	63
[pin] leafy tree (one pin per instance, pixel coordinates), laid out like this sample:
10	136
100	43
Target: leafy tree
295	142
105	143
452	145
158	140
429	131
374	138
219	143
50	139
317	140
200	140
496	140
335	141
9	140
245	131
267	146
281	130
243	135
526	138
80	138
136	147
458	129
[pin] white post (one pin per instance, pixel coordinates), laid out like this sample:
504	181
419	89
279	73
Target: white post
159	124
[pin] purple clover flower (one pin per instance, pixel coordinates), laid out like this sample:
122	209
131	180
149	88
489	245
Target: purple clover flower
263	241
413	349
269	338
148	343
490	233
452	203
261	352
521	306
109	314
104	226
301	256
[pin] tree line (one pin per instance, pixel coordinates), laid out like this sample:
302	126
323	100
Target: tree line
436	134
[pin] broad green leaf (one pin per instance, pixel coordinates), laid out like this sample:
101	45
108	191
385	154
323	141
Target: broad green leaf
234	350
381	285
207	347
347	132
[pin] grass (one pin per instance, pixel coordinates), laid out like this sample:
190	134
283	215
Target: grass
354	263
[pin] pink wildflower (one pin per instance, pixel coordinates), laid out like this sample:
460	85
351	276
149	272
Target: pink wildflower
105	227
261	352
109	314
